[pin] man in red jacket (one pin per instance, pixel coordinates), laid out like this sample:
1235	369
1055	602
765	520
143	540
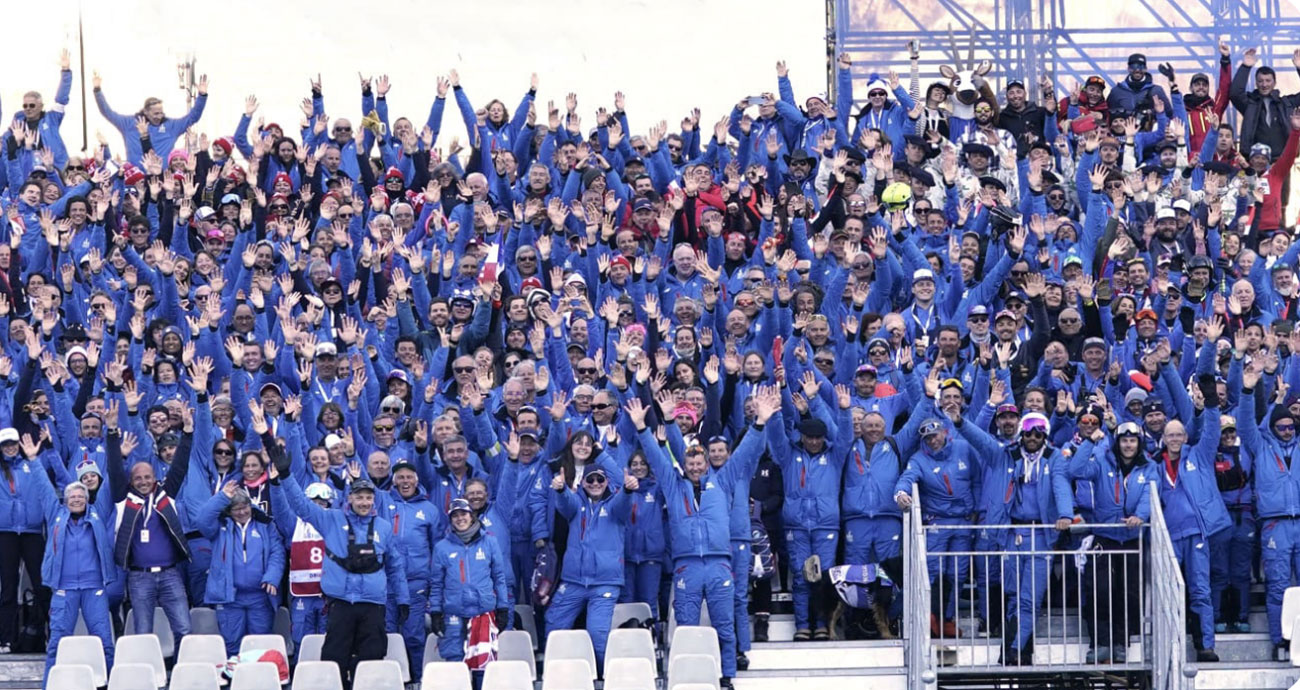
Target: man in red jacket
1199	104
1272	177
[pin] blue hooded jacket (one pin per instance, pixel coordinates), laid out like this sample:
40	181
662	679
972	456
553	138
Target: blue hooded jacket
469	579
1118	495
596	525
57	516
812	482
256	559
417	525
1277	474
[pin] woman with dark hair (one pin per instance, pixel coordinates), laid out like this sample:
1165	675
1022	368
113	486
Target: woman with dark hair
645	546
253	479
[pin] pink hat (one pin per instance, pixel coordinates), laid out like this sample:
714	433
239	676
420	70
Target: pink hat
215	234
177	154
685	408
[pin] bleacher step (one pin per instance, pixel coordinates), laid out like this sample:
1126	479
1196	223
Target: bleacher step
22	668
1243	675
820	679
825	655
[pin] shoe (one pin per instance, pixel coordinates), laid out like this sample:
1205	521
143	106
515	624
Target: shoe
1241	627
1011	657
950	629
725	682
1281	652
4	649
821	634
1206	655
802	635
1220	628
760	628
934	625
1101	656
742	661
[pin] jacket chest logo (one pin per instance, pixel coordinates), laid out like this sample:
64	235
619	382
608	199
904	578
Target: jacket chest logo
419	515
603	513
479	556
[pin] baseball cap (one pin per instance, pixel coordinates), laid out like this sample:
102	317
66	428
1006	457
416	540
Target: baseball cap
364	485
930	427
8	435
327	349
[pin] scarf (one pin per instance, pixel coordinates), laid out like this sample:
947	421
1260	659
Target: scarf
470	533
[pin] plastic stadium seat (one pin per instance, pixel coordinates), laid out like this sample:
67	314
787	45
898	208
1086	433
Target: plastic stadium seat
309	648
203	621
132	677
283	626
72	677
526	620
87	650
81	629
690	686
566	674
317	675
570	644
516	645
1290	609
271	641
445	675
510	674
256	676
142	649
194	676
696	639
384	674
693	668
431	648
630	643
397	652
161	627
629	673
1295	640
623	613
205	649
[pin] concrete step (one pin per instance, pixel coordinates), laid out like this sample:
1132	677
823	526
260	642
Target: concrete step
772	656
821	679
22	668
1243	675
1244	647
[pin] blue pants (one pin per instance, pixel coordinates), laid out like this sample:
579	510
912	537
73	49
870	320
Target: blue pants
742	560
413	629
1230	557
1193	555
1280	539
522	561
872	540
92	604
803	544
641	583
251	613
989	585
307	617
697	579
196	571
598	600
1028	579
953	569
165	588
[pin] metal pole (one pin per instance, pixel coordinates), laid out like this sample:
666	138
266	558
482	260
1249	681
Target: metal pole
81	56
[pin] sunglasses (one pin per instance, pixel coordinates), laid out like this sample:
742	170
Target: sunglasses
594	479
279	207
75	167
383	427
826	362
342	129
346	216
463	370
1056	197
1035	433
601	406
1019	274
1069	320
586	370
527	258
223	451
977	318
1284	427
877	352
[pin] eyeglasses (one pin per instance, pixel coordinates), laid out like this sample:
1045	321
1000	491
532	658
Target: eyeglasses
601	406
594	479
1284	427
279	207
30	106
825	362
674	149
876	94
1114	185
978	318
1019	274
223	451
1068	319
463	370
383	427
1055	197
333	290
346	216
75	167
586	370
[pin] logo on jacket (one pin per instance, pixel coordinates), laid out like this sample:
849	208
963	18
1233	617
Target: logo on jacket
479	556
419	515
453	554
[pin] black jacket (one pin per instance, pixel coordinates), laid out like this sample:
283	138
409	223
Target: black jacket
1253	106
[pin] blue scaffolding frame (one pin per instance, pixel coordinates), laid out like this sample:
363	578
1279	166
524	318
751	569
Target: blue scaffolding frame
1025	38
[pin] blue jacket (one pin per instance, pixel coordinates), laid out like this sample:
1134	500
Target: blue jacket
256	558
520	495
21	507
1192	504
162	137
946	478
812	482
52	119
334	525
698	527
595	552
495	526
644	540
469	579
1054	496
1277	474
57	516
417	527
1118	495
869	480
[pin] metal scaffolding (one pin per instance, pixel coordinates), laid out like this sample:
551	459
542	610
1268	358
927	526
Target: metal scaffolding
1026	38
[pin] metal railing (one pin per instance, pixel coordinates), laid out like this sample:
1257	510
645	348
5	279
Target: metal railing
918	656
1170	670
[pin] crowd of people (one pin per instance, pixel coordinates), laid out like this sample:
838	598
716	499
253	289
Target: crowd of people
399	387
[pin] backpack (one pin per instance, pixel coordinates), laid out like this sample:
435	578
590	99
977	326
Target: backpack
859	585
545	573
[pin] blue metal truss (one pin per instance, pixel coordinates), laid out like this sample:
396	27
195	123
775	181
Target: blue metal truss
1026	38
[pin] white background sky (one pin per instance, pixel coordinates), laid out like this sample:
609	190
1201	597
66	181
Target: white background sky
666	55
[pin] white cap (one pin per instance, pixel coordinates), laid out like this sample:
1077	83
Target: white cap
331	441
1164	213
1183	204
922	274
204	213
327	348
8	434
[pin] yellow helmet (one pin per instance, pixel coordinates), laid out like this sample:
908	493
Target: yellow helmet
896	196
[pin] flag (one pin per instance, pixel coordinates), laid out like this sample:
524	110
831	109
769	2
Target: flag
481	641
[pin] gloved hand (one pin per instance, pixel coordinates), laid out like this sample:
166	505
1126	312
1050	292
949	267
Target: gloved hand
1167	70
502	617
403	612
437	625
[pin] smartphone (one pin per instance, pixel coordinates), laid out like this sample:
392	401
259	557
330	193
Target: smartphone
1264	186
112	167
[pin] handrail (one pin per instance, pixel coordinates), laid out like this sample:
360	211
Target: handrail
918	656
1168	627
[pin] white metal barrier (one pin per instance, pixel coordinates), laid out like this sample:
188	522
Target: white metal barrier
918	654
1169	670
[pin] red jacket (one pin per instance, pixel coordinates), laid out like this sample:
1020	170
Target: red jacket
1270	214
1198	124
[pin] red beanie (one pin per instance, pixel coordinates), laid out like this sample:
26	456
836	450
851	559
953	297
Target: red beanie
225	144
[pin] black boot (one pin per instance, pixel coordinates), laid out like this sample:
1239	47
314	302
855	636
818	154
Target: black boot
760	627
742	661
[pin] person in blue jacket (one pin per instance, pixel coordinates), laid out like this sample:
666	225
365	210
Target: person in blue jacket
812	470
78	564
699	505
417	527
1194	509
645	543
1038	493
163	131
247	565
362	564
47	122
22	539
592	573
1277	487
468	580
